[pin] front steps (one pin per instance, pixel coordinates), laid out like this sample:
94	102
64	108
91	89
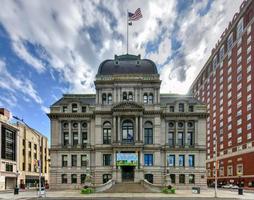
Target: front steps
127	187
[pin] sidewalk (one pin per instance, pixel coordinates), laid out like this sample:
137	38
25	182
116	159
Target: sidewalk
179	193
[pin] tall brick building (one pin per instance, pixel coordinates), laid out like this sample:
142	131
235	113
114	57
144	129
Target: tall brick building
225	84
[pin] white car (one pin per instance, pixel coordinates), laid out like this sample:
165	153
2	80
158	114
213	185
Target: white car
235	187
228	186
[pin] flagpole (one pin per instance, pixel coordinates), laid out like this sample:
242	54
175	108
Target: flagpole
127	32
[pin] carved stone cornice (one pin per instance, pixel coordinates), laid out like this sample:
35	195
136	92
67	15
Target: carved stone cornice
70	115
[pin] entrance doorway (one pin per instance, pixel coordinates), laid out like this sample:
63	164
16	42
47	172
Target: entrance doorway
127	173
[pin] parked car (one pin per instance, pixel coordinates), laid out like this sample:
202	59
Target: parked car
230	186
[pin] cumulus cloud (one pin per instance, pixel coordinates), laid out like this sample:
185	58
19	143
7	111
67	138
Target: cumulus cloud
15	85
75	36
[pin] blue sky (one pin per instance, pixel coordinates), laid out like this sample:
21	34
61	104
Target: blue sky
48	48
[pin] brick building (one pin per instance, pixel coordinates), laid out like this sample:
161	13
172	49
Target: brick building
225	84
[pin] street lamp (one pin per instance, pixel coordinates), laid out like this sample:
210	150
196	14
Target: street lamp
16	189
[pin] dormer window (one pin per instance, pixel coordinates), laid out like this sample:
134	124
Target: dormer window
109	98
171	108
125	96
150	98
74	107
130	96
104	98
65	109
83	108
191	108
145	98
181	107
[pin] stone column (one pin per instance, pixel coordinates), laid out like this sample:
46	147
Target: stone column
137	137
70	142
141	128
60	133
114	95
141	159
114	129
186	132
176	136
119	95
155	96
119	129
195	135
79	133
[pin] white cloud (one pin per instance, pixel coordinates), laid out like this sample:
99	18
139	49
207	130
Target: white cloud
61	29
16	85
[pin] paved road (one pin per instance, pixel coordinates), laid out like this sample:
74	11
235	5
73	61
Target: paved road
138	198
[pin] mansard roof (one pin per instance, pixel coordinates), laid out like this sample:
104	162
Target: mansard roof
127	64
173	98
85	99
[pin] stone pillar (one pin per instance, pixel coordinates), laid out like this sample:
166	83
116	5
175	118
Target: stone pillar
70	142
119	129
137	137
60	133
79	133
141	128
114	129
196	133
176	136
119	95
114	95
186	132
155	96
141	159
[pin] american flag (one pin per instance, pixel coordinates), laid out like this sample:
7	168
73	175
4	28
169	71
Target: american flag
135	16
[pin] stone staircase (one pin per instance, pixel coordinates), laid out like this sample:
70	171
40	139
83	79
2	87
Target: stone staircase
127	187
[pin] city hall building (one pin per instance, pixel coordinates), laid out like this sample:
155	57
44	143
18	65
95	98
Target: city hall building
127	131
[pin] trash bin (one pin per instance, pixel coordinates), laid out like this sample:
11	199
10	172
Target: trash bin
16	190
240	191
196	190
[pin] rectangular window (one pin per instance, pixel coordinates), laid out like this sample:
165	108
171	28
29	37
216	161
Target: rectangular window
106	159
148	159
221	53
171	108
74	160
65	109
239	29
190	138
171	139
8	167
180	138
66	138
64	160
83	108
83	160
148	136
230	42
230	171
75	138
84	137
191	108
171	160
181	160
191	160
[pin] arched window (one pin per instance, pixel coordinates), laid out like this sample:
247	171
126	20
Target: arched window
74	107
106	133
109	98
145	98
191	178
64	178
104	98
82	178
130	98
124	96
127	130
149	177
148	133
150	98
182	178
181	107
74	178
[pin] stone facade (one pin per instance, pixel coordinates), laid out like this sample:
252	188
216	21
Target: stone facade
127	115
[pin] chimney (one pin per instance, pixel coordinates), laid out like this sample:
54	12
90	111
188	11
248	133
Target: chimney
5	112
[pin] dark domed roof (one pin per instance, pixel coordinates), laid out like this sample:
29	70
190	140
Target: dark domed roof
127	64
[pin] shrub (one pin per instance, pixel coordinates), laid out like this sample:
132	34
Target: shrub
86	191
166	190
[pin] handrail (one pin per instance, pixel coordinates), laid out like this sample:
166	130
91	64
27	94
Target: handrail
105	186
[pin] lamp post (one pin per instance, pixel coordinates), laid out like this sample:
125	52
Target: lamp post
16	189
